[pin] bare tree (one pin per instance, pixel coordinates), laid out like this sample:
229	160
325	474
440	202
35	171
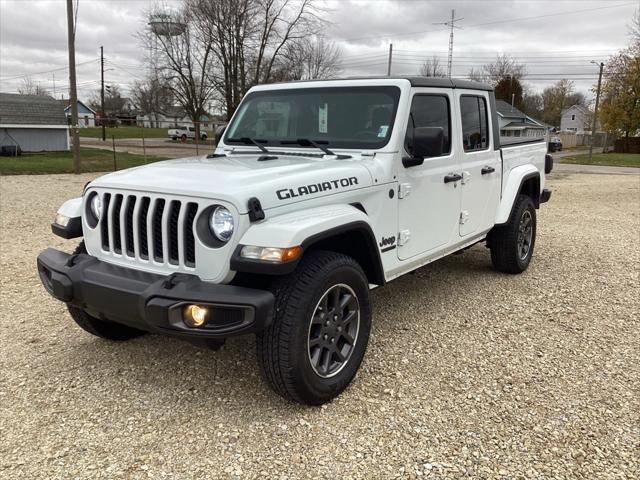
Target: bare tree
151	97
114	102
555	99
634	28
30	87
249	38
186	62
307	59
432	68
504	66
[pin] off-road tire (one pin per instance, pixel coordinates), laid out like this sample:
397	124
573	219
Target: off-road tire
283	347
101	328
503	239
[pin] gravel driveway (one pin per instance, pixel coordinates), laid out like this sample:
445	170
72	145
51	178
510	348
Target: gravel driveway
468	373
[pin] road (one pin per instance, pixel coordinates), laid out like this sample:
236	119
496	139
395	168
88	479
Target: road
154	146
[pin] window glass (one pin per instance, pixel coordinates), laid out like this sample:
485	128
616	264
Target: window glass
349	117
473	111
429	111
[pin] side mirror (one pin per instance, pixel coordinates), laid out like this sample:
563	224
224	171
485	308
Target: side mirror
426	142
220	133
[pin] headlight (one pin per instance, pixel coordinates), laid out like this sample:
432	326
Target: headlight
96	206
221	223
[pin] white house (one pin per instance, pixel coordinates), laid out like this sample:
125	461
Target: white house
514	123
173	117
86	115
577	119
32	123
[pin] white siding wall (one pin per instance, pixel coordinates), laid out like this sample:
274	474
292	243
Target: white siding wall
36	139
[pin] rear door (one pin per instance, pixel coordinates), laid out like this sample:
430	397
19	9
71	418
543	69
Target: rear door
429	207
479	161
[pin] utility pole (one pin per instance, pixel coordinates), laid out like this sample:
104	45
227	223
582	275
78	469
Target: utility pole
595	111
451	23
390	55
54	85
104	135
73	94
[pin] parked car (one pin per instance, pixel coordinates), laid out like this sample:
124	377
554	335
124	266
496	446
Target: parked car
555	145
183	133
283	234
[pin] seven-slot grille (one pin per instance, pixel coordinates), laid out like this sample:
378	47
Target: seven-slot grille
149	229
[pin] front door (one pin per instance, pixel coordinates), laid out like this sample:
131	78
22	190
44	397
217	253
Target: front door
429	207
480	164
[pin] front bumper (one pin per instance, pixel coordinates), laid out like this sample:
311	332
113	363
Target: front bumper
152	302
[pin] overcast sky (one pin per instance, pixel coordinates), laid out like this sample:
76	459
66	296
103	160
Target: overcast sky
555	39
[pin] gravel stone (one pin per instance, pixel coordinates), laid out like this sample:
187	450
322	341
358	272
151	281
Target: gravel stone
469	373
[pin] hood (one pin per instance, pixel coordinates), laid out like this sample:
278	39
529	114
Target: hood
237	178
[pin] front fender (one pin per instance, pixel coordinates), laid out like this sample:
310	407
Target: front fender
514	182
293	229
340	228
71	208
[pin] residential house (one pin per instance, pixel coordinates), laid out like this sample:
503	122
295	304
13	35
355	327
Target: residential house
86	115
33	123
514	123
577	119
175	117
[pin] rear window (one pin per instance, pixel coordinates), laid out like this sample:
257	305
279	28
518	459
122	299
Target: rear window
473	112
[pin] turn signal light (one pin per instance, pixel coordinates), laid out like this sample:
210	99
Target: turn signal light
195	316
271	254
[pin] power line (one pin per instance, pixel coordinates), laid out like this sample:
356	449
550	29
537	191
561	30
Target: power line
495	22
15	77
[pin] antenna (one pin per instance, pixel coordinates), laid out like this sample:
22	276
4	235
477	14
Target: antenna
451	23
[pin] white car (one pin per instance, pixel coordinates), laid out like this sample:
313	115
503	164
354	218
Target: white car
318	192
184	133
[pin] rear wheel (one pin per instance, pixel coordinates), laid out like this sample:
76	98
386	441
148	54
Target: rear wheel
314	347
512	244
100	328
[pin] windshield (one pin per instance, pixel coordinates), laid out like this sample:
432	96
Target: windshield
340	117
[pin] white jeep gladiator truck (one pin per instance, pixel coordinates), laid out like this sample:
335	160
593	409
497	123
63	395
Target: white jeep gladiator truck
318	192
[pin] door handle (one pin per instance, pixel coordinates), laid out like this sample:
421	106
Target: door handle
452	177
486	170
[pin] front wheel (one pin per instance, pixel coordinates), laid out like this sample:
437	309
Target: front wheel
314	347
512	244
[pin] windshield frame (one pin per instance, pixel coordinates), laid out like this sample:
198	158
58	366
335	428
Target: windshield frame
394	91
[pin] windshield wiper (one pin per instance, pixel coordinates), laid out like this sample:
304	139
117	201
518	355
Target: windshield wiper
305	142
250	141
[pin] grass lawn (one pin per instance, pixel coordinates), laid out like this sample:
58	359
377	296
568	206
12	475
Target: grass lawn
91	160
608	159
124	132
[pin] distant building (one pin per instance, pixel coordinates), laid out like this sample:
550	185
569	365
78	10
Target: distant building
577	119
514	123
175	117
33	123
86	115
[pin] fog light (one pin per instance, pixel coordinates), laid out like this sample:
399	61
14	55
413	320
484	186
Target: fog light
195	316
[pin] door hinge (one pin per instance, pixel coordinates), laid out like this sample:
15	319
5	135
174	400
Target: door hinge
404	190
464	216
403	237
466	177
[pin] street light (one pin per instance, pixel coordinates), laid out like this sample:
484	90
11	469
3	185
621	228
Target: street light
595	111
